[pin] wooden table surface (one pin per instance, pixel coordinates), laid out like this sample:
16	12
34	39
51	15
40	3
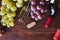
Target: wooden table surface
38	32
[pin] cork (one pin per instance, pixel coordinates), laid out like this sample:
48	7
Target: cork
30	25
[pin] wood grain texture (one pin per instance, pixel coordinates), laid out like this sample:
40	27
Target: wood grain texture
38	32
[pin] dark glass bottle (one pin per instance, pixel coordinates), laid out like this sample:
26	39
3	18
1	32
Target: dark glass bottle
51	17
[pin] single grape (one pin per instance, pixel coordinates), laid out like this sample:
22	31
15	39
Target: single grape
5	17
13	8
3	12
4	23
3	7
19	5
7	22
13	14
3	20
9	5
14	0
20	1
7	9
9	15
11	19
3	3
8	26
12	24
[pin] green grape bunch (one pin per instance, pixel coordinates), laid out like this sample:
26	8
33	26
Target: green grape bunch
8	11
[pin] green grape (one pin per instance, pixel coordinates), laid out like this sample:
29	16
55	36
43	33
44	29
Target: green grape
19	4
20	1
3	3
0	13
9	5
4	23
3	12
3	7
14	0
7	1
13	8
3	20
7	9
13	14
9	15
8	26
26	0
7	22
5	17
12	24
11	19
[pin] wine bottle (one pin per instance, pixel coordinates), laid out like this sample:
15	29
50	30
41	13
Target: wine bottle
57	35
54	10
49	19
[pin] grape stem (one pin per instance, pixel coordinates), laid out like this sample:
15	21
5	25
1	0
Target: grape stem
24	8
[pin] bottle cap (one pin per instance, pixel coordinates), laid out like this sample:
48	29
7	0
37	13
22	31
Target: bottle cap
57	35
48	22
